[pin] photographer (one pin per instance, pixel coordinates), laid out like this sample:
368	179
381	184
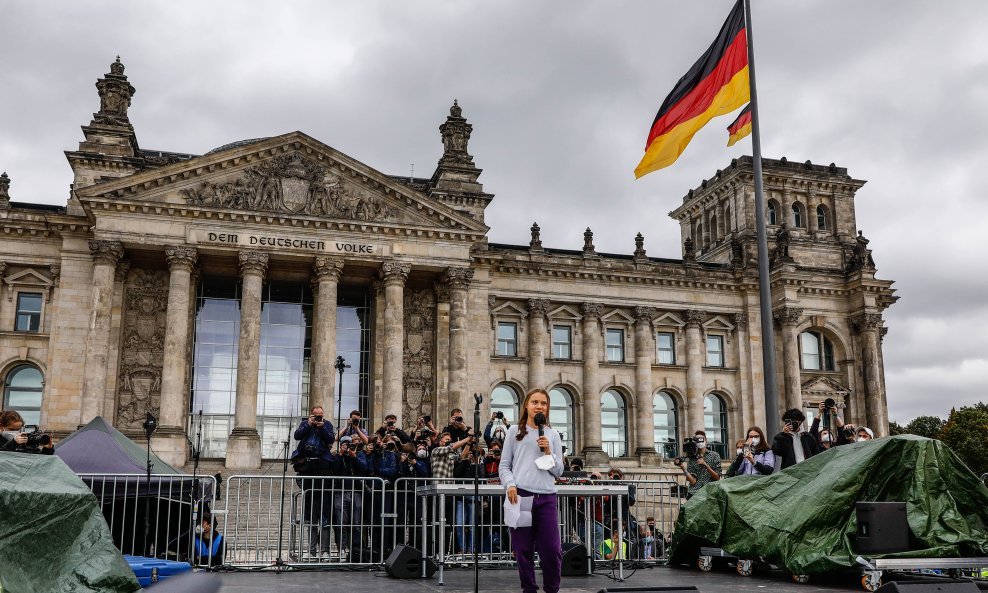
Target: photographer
14	441
390	426
755	458
793	445
443	458
353	430
456	428
493	459
208	545
469	464
312	458
425	431
833	425
348	496
496	429
700	465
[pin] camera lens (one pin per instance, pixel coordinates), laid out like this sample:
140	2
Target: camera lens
499	415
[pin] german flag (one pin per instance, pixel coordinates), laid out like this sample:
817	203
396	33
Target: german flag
717	84
741	127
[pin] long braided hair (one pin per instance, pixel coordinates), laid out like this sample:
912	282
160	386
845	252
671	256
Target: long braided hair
523	418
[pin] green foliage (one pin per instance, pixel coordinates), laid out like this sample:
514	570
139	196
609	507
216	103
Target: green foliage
925	426
966	433
896	429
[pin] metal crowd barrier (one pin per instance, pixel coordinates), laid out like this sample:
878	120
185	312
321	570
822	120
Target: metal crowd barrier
171	504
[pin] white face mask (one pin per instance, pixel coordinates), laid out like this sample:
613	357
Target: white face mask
740	451
755	441
421	453
198	529
701	443
825	438
10	434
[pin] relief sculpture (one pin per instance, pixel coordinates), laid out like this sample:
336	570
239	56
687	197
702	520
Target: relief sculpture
143	347
419	354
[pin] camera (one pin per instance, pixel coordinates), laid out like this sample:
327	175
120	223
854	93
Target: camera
390	446
390	423
848	431
317	418
499	415
427	419
458	419
690	451
355	421
829	403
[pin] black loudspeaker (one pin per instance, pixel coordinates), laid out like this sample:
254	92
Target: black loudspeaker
575	560
882	528
930	587
405	562
679	589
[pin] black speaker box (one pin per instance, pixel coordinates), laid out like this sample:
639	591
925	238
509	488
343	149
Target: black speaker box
882	528
405	562
929	587
678	589
575	560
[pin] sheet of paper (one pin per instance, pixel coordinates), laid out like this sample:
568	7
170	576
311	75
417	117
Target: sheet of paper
518	514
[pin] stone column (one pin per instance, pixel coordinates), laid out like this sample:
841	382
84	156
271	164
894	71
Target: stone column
811	222
441	401
106	255
175	365
695	354
458	282
537	310
593	453
327	270
243	449
868	325
394	274
788	318
744	371
644	354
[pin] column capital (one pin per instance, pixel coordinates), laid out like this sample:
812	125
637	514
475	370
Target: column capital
864	321
181	257
395	273
694	317
120	272
442	292
253	262
106	252
328	267
457	278
741	320
788	315
591	310
644	314
538	307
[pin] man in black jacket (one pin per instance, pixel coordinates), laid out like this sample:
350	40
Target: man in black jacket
792	445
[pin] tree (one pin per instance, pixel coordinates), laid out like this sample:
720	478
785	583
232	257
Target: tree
966	433
925	426
896	429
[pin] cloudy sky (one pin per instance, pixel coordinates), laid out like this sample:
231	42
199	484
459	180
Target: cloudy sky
561	95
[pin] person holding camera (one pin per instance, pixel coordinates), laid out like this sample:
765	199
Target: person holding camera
390	426
425	431
457	428
754	456
496	429
14	440
348	494
443	457
353	430
792	444
312	459
469	464
699	464
832	432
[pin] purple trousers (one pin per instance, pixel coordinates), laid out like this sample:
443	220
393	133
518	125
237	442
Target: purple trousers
541	537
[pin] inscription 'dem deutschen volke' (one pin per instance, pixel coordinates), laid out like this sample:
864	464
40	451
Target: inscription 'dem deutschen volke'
286	242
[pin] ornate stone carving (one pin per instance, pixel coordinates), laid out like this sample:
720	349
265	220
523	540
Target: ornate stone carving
143	347
782	241
106	252
644	314
694	317
253	262
591	310
120	272
882	332
4	191
787	315
457	278
419	353
741	320
56	273
328	267
689	251
588	248
739	255
639	247
538	307
863	322
455	133
114	97
395	273
292	184
442	292
860	257
179	256
491	302
536	243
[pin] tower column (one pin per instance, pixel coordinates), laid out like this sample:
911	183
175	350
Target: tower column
537	309
869	326
644	354
394	274
458	282
327	271
788	318
106	256
694	371
593	452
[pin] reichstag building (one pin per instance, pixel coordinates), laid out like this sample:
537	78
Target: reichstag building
229	282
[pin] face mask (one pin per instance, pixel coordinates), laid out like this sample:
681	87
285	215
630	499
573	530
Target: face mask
740	450
10	434
198	529
825	438
421	453
701	443
755	441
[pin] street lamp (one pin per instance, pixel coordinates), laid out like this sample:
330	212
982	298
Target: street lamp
150	425
340	367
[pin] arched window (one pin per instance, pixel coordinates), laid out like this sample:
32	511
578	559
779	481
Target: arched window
817	351
728	223
561	416
821	217
715	423
504	398
713	228
664	420
22	392
613	430
798	220
773	212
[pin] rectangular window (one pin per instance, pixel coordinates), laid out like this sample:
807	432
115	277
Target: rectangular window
665	345
562	342
715	351
615	345
811	351
28	312
507	339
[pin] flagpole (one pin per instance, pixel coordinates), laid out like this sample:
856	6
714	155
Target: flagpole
764	285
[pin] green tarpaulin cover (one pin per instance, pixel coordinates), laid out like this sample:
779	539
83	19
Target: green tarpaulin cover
803	518
52	534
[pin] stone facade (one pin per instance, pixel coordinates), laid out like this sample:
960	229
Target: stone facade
118	267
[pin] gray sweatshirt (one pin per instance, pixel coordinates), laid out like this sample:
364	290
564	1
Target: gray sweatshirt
517	467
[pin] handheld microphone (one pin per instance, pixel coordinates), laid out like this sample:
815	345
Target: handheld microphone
540	422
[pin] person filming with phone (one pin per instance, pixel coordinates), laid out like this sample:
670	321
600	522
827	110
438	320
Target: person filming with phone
794	445
754	456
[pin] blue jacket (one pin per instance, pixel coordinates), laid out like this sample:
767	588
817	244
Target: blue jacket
385	465
315	439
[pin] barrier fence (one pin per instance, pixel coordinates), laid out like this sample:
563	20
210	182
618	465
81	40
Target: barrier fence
355	521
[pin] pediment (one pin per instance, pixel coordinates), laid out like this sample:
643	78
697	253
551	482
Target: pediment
28	277
668	320
564	313
824	386
718	323
617	316
509	309
293	176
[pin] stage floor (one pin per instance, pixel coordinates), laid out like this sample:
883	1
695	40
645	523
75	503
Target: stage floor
460	580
